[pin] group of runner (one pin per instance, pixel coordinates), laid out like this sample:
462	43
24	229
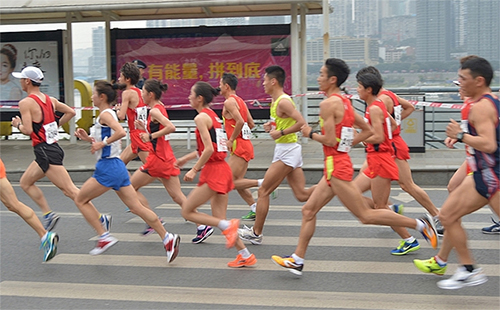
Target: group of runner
341	128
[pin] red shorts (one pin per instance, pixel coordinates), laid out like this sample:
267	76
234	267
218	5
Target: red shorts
382	165
218	176
137	144
158	168
339	167
3	175
401	150
243	148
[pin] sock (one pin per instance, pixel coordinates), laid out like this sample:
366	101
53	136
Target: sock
165	240
244	253
410	240
201	227
297	259
469	268
45	236
253	207
440	262
391	207
420	225
223	225
46	215
104	235
259	182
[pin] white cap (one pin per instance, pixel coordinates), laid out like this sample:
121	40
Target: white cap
32	73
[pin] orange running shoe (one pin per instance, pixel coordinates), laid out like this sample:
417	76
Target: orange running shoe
231	233
429	232
242	262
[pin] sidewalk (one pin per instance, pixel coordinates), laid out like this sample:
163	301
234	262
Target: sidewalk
435	167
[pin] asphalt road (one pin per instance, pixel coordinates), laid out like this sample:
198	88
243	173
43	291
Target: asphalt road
348	266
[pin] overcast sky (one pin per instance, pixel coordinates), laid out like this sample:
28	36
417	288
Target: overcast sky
82	32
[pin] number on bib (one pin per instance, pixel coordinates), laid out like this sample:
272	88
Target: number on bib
51	132
346	137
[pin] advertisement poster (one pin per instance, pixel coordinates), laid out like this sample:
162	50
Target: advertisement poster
17	55
182	60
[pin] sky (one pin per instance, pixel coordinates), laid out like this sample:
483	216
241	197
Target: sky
82	32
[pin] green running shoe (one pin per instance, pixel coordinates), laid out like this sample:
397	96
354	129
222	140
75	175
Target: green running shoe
249	217
405	247
430	266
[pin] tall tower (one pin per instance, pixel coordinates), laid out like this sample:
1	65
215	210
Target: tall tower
434	30
483	28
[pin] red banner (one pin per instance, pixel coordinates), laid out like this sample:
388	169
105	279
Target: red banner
182	61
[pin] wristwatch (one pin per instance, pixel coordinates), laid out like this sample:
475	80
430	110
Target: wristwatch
460	136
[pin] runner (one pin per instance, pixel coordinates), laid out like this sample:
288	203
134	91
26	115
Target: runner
40	123
132	107
9	199
216	178
111	172
382	168
287	161
483	139
238	122
337	118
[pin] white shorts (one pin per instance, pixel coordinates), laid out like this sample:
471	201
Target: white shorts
288	153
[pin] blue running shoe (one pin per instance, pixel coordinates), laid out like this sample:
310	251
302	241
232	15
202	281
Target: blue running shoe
203	234
493	229
50	220
405	247
106	221
149	230
49	246
399	209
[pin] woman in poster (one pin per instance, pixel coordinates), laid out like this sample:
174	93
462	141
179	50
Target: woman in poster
9	89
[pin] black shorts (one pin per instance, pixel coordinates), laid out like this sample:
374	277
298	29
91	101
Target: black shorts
48	154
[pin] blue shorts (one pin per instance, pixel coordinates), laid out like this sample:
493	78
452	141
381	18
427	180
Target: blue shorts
487	182
111	172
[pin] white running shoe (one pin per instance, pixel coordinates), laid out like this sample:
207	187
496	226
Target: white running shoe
103	244
171	243
246	234
463	278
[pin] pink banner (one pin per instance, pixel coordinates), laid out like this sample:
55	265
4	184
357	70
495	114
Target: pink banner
181	62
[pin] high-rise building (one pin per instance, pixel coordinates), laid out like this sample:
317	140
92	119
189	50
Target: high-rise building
483	28
434	30
97	62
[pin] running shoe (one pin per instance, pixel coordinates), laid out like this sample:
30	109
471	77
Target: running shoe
149	230
103	244
49	246
127	210
249	217
203	234
50	220
288	263
493	229
231	233
274	194
399	209
405	247
429	232
463	278
172	242
439	226
246	234
242	262
430	266
106	221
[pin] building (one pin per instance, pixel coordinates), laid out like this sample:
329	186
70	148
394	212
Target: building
98	59
434	35
355	52
483	28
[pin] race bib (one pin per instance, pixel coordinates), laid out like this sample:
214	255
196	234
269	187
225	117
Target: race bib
51	132
142	115
471	161
221	138
273	124
167	137
464	125
346	137
246	132
389	128
397	114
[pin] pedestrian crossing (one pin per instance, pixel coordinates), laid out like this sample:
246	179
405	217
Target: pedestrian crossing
348	265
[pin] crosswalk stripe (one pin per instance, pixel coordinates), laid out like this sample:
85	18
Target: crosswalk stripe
231	296
315	241
263	264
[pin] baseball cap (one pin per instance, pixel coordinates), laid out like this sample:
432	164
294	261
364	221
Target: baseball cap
140	64
32	73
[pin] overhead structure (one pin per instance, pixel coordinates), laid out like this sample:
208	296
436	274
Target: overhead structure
74	11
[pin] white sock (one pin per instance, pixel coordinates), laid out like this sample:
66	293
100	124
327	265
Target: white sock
391	207
104	235
440	261
223	225
259	182
297	259
202	227
410	240
420	225
253	207
245	253
45	236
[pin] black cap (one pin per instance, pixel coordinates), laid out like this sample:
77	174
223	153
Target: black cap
140	64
